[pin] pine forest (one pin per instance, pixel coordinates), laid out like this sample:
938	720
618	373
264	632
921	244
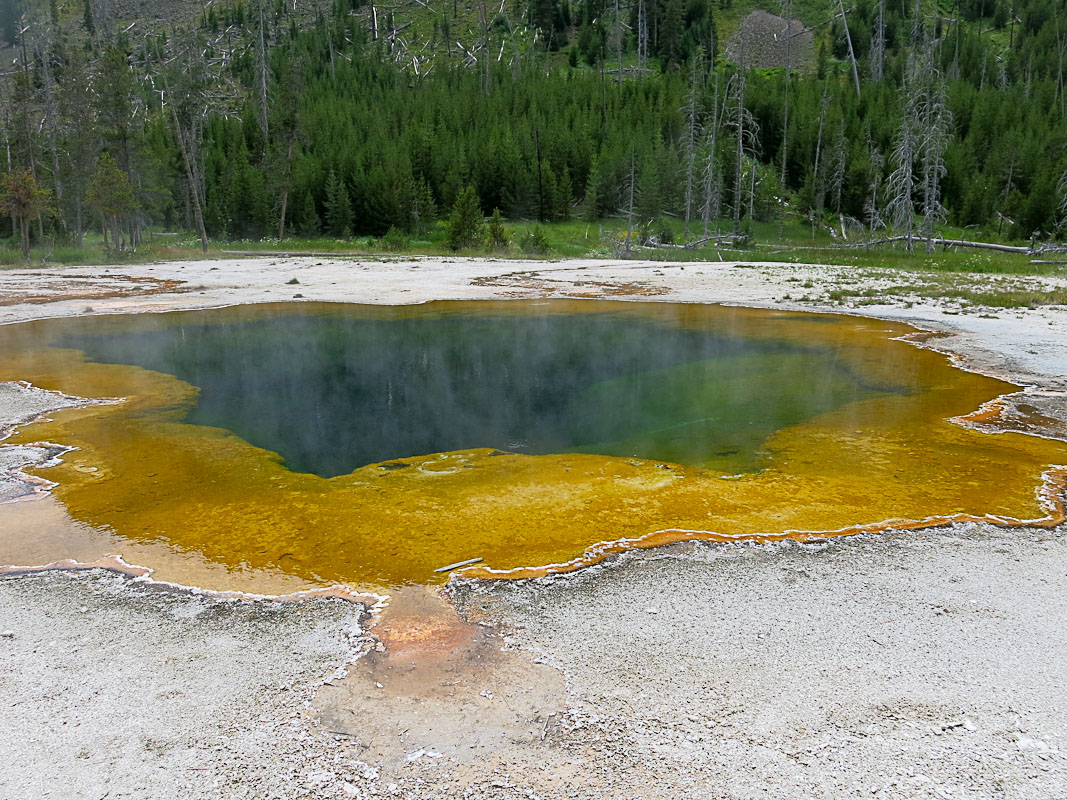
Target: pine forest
651	122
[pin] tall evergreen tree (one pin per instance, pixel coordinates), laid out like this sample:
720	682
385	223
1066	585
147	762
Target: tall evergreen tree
465	224
110	195
338	208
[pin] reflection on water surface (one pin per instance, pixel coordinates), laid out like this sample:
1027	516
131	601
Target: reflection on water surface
333	392
370	445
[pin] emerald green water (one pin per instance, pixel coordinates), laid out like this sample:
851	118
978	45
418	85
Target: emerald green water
332	389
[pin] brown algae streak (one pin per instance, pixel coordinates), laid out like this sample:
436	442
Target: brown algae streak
891	459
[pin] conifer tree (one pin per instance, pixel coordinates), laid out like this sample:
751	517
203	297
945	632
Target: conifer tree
423	207
465	225
338	207
496	235
116	100
308	222
110	195
671	33
596	202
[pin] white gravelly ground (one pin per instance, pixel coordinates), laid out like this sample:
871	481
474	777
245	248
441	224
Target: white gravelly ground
928	664
114	690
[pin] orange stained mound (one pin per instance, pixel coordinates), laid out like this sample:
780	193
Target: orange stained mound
204	494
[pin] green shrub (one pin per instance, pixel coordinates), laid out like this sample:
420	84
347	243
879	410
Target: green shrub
465	224
395	240
535	242
496	235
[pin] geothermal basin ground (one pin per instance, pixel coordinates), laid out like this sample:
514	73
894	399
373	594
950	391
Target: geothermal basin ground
903	664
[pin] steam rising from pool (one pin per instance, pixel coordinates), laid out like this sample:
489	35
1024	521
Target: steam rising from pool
334	392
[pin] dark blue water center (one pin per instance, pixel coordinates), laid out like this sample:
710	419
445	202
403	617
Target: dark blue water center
334	391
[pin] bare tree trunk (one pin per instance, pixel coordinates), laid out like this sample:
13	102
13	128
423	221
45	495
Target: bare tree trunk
281	220
752	194
540	178
691	139
483	12
935	122
851	52
329	43
24	227
30	155
837	159
871	206
878	45
785	94
937	240
190	176
7	150
78	226
630	205
285	189
817	175
51	115
618	38
902	180
740	137
642	34
710	207
261	57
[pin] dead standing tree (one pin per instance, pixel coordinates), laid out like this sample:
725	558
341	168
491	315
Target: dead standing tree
744	126
746	137
43	52
184	86
935	122
878	45
261	76
787	12
836	164
899	207
817	173
642	35
692	112
851	52
923	136
712	205
631	182
870	206
288	131
1061	207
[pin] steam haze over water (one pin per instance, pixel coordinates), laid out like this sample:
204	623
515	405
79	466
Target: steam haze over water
331	392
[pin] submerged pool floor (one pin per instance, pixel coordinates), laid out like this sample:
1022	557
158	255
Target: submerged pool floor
371	445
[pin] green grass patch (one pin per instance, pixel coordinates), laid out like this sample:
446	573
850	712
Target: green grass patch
785	242
966	295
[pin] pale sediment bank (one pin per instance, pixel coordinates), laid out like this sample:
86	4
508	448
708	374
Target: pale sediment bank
114	690
919	664
21	404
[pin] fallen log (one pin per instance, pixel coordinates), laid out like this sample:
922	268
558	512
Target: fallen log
1004	248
